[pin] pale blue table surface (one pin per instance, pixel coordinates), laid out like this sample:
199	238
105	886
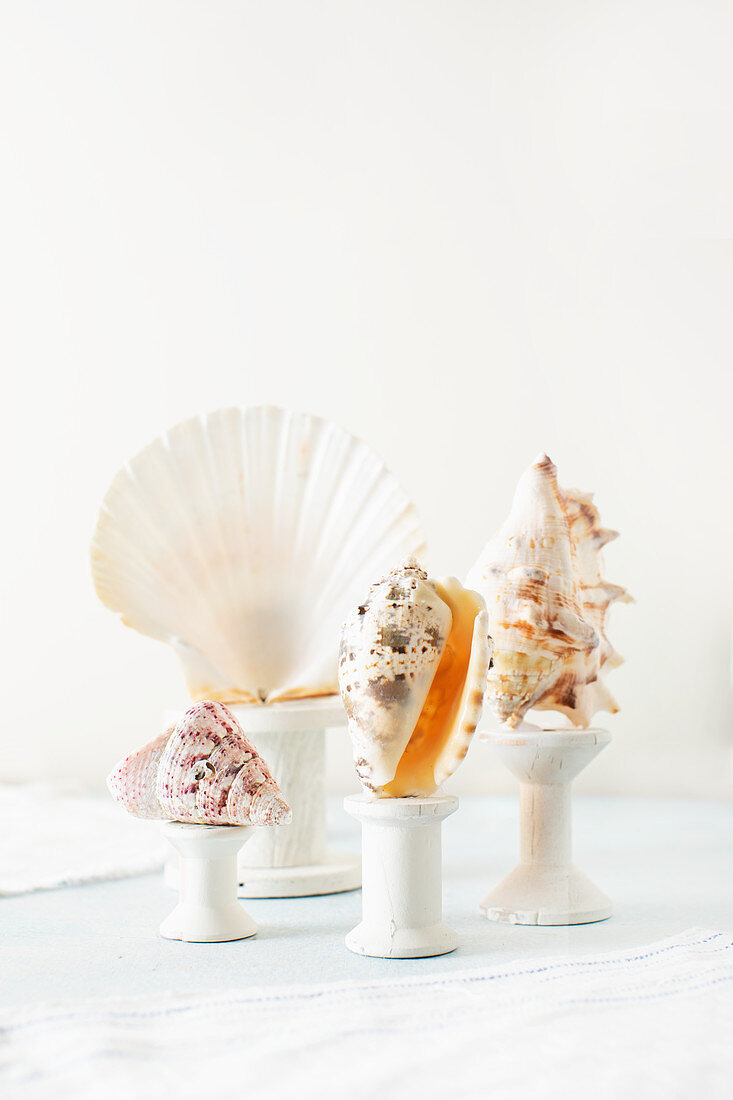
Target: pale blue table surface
667	865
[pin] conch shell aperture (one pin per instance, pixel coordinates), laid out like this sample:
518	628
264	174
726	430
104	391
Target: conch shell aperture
548	603
203	770
412	669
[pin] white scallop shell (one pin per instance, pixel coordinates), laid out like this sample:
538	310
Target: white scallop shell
242	538
548	604
412	671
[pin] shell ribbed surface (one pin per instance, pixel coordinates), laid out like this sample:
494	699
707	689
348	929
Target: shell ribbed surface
547	601
204	771
242	539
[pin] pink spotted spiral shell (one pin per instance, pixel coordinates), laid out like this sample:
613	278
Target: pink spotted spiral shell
202	770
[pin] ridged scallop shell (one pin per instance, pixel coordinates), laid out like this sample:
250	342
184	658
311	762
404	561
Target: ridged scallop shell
242	538
412	670
548	603
202	770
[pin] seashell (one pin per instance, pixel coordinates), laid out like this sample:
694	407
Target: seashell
202	770
242	538
548	603
412	670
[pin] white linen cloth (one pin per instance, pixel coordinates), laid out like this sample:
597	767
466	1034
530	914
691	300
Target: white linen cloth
655	1022
69	837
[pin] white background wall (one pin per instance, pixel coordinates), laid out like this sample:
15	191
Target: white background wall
467	231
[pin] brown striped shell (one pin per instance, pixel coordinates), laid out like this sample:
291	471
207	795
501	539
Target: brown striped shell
202	770
412	668
542	579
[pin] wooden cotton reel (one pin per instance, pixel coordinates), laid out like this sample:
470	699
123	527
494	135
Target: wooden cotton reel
402	891
546	887
208	910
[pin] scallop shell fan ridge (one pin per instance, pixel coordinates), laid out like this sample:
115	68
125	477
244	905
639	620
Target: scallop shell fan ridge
242	538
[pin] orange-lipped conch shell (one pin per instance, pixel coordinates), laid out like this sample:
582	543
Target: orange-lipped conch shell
548	604
412	670
202	770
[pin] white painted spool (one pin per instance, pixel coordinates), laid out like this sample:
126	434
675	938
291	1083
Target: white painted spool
402	893
546	888
207	910
292	860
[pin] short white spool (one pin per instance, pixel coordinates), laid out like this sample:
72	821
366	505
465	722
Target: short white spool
402	892
207	910
284	861
546	888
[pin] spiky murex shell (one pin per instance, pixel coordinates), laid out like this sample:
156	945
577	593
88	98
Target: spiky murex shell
547	601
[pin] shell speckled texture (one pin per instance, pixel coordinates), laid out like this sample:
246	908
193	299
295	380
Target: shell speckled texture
202	770
241	539
412	669
548	603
